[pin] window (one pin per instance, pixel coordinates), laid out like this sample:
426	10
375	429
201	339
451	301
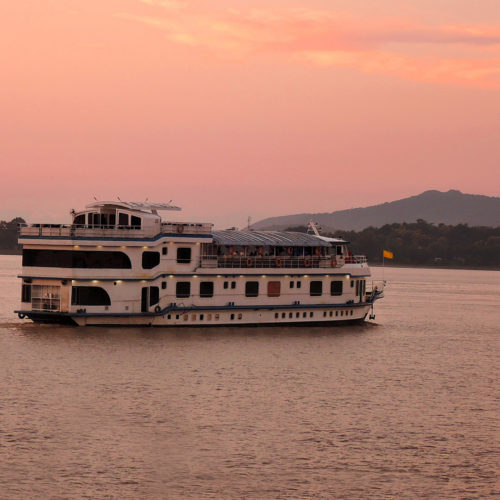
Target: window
163	285
89	296
292	283
357	287
276	315
283	315
150	259
336	313
297	315
201	317
273	288
182	289
183	255
233	284
304	315
336	288
352	283
79	259
122	219
226	284
290	315
324	314
315	288
232	316
252	289
311	314
135	222
299	284
26	293
79	220
206	289
154	295
164	251
240	315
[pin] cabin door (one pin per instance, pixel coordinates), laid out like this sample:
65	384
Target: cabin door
144	299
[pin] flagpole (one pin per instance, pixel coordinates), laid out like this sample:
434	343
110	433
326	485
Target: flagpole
383	265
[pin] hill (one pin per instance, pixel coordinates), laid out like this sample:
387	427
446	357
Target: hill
451	207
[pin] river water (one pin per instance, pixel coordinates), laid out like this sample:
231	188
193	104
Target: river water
406	406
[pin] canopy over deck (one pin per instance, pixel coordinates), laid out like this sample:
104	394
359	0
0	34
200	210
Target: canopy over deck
271	238
133	205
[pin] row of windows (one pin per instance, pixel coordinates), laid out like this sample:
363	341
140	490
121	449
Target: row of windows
80	259
183	288
283	315
95	259
311	314
151	259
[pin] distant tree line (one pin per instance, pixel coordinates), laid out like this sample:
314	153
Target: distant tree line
424	244
9	234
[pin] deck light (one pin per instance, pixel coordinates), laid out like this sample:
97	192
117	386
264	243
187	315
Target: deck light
95	281
76	246
99	246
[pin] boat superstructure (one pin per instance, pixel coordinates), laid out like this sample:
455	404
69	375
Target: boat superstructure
120	263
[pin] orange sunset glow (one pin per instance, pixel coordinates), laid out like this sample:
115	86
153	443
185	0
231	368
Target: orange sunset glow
246	108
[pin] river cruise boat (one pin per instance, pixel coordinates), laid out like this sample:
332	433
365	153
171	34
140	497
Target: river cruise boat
120	263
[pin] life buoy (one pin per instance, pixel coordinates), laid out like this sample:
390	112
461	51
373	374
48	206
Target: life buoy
289	251
21	315
317	251
180	228
249	262
307	262
334	262
157	309
278	262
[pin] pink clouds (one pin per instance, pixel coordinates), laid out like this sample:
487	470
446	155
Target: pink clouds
387	45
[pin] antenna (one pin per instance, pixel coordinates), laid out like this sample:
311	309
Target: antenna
314	227
248	222
95	198
119	198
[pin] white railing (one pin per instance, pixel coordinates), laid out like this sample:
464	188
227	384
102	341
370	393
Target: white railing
236	261
107	231
186	227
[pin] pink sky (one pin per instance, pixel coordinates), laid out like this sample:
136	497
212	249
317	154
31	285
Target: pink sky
246	108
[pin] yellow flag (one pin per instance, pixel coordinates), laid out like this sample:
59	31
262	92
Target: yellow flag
388	255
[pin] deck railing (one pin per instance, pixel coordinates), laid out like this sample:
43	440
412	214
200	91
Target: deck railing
313	261
107	231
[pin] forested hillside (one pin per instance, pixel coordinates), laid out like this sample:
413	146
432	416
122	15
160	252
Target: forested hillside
422	243
8	235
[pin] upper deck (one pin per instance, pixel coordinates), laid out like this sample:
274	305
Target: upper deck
116	220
